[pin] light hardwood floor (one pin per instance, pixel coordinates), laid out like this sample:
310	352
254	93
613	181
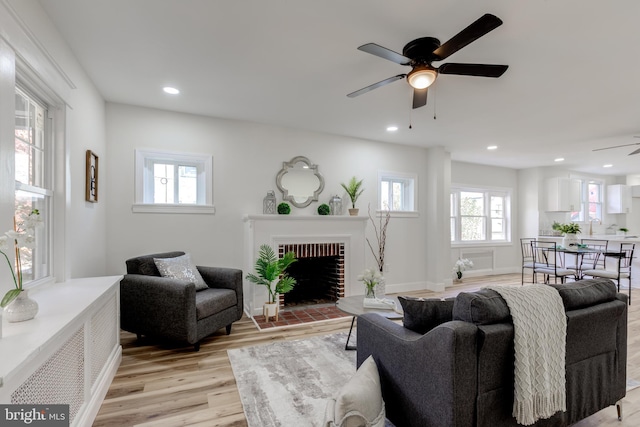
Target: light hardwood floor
174	386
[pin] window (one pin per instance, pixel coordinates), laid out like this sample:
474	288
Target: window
591	206
479	215
33	188
397	192
173	182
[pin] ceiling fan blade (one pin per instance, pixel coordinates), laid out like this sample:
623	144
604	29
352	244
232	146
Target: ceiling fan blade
376	85
635	152
473	32
617	146
383	52
419	98
480	70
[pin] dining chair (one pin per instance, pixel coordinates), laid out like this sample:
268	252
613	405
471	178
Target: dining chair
618	267
527	256
549	263
594	261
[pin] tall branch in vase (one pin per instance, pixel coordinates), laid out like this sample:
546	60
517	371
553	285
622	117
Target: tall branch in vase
381	237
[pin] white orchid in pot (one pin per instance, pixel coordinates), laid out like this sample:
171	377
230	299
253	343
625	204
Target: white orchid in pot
22	236
461	265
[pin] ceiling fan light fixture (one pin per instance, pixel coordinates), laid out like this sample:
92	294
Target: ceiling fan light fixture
421	78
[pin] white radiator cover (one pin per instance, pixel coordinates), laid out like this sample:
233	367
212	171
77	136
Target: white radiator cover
69	353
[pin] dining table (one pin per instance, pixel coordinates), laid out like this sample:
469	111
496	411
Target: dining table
580	251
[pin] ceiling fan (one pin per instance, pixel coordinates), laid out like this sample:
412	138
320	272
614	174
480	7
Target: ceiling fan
420	53
623	145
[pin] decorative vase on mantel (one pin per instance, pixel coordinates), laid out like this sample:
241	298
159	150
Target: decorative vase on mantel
22	308
353	211
459	275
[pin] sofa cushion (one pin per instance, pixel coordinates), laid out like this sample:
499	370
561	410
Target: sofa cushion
423	314
359	402
146	266
483	307
585	293
214	300
181	268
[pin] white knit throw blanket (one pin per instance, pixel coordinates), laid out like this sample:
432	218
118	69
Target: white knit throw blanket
540	330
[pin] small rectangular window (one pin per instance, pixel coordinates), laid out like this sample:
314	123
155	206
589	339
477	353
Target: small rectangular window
173	182
397	192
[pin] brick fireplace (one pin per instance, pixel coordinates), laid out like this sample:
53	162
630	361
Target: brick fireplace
341	238
319	272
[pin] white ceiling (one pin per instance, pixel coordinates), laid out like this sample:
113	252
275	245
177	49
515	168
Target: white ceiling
572	83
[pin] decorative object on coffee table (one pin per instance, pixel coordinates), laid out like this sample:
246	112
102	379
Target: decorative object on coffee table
354	190
16	302
370	277
284	208
380	231
269	203
461	265
270	271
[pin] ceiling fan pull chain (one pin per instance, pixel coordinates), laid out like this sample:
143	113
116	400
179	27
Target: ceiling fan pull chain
435	101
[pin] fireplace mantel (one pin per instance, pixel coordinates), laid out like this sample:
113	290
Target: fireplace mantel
275	230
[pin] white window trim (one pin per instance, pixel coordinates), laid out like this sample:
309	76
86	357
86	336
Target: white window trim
386	175
500	191
141	155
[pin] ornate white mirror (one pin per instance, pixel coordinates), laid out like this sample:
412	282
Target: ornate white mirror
300	182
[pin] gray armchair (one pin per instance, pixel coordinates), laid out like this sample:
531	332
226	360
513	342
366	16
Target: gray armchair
152	305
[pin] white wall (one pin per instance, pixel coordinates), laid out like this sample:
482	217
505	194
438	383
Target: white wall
80	227
247	157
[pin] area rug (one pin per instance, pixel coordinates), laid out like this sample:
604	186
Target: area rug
287	383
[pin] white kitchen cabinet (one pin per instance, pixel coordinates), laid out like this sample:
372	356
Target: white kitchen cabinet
618	199
563	194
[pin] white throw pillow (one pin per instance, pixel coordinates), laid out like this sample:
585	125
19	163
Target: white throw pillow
359	403
181	268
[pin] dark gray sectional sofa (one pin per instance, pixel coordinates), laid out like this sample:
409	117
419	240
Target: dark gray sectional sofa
460	372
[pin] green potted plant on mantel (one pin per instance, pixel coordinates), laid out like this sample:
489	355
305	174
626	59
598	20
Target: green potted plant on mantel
271	273
569	231
354	190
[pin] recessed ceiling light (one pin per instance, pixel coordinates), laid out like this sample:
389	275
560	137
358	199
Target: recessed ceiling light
492	147
171	90
392	128
608	165
559	159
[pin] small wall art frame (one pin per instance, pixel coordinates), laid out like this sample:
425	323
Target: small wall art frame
91	186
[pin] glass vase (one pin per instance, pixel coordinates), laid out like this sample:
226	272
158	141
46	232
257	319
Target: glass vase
21	309
380	290
370	292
